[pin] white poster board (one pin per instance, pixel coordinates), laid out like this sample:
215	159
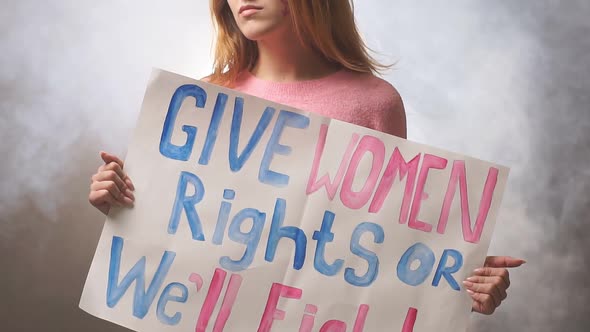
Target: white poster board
252	216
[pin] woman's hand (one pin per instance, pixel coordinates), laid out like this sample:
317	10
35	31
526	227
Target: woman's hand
110	185
488	285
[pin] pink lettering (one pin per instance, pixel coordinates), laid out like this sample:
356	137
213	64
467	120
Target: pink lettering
197	280
271	313
361	317
211	300
398	165
333	326
228	302
410	320
331	187
356	200
308	318
458	174
429	161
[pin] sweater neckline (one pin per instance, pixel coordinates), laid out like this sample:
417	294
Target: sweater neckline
294	86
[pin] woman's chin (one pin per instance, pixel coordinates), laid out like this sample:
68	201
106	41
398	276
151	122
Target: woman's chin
258	32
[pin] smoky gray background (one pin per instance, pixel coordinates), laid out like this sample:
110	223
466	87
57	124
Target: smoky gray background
506	81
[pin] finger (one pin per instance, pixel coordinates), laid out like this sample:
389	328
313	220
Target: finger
481	303
125	197
491	271
503	261
108	158
113	166
490	280
493	288
126	201
110	186
98	197
488	289
129	194
492	298
124	176
110	176
129	183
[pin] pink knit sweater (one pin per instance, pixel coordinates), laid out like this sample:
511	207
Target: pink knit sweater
361	99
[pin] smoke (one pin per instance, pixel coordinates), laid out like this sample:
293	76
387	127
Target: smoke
508	82
503	81
78	69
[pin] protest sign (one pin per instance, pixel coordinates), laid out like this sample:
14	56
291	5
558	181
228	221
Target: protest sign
252	216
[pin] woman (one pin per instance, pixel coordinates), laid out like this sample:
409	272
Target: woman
307	54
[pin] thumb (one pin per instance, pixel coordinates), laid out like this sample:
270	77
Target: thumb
109	158
503	261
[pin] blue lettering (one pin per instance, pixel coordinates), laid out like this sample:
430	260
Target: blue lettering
142	300
167	149
223	216
285	119
187	203
278	231
422	253
165	298
250	239
447	271
236	162
213	127
372	259
323	236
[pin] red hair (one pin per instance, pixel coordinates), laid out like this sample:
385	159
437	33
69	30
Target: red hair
326	26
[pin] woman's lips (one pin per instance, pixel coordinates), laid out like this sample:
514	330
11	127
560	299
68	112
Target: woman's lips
249	10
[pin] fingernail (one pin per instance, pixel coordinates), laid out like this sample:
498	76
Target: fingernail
472	279
478	271
129	194
470	291
468	284
128	201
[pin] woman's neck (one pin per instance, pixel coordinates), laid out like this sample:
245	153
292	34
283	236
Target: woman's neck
282	58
